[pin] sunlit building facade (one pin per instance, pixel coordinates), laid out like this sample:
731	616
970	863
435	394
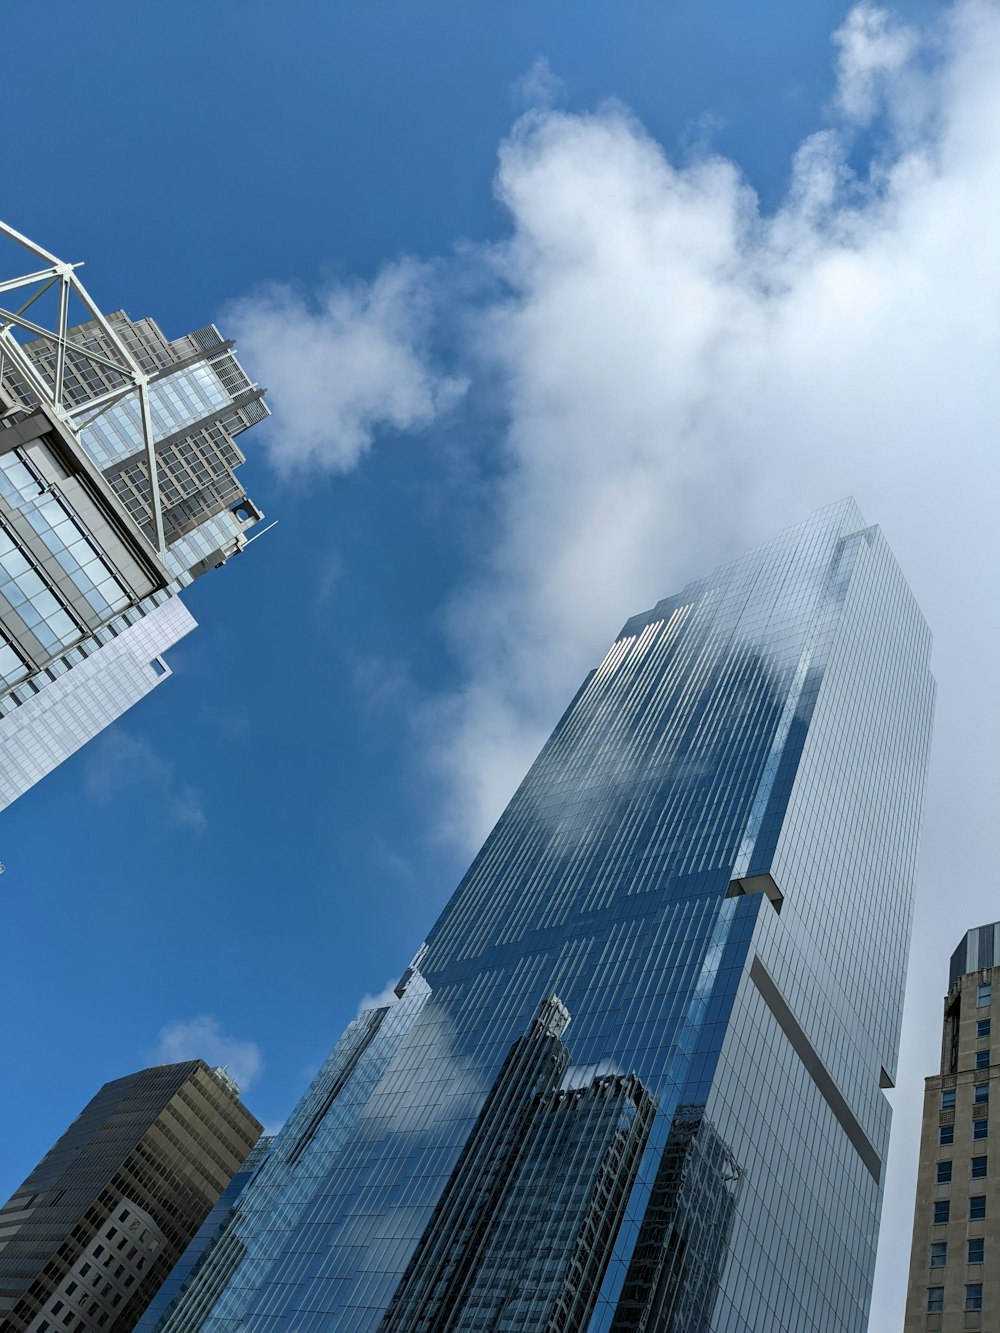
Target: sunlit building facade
117	489
635	1077
955	1259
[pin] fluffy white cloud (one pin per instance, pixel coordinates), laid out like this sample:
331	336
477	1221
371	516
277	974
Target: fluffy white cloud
339	368
203	1039
118	761
876	52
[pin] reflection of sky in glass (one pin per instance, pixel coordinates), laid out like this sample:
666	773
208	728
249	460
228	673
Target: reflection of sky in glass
774	717
176	401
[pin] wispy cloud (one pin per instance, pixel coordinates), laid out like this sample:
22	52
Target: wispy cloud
203	1039
539	87
118	761
387	995
351	361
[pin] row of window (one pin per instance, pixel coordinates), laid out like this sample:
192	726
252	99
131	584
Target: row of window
977	1169
980	1130
973	1298
942	1208
981	1093
974	1254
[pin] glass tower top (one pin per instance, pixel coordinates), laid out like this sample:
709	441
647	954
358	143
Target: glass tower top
709	870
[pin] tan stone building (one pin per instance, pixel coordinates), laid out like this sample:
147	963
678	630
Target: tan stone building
88	1238
955	1261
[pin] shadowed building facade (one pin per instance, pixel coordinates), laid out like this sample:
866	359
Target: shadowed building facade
955	1259
711	865
96	1227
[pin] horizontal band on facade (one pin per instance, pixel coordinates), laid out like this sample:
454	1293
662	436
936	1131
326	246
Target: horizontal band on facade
816	1069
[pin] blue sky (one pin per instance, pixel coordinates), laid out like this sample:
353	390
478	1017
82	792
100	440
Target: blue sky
648	342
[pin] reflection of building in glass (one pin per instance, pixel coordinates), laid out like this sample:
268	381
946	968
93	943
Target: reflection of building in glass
674	1274
186	1273
524	1230
956	1224
117	489
711	864
96	1227
293	1180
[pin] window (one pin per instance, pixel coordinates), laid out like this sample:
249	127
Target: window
935	1300
980	1129
947	1099
982	1059
84	1269
981	1093
939	1254
984	996
976	1247
978	1168
983	1028
112	1233
977	1205
98	1249
942	1211
943	1172
947	1134
973	1295
57	1307
70	1289
123	1215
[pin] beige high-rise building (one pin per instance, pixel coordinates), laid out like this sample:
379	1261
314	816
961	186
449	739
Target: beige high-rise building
88	1238
955	1261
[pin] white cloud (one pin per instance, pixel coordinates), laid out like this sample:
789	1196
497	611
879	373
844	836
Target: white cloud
351	363
118	761
387	995
540	86
875	50
203	1039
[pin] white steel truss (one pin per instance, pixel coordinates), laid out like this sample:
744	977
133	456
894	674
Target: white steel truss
114	357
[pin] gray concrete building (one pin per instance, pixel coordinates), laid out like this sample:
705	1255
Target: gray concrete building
87	1239
955	1260
118	488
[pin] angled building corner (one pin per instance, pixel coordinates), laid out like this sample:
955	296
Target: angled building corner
118	488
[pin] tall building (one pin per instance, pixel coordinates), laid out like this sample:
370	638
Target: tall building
188	1270
955	1259
118	487
90	1235
710	868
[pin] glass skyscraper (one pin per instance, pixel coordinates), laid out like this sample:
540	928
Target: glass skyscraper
634	1078
117	489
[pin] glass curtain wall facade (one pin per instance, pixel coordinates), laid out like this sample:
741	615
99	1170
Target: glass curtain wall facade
709	867
88	605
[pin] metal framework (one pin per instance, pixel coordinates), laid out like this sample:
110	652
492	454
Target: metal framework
121	362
